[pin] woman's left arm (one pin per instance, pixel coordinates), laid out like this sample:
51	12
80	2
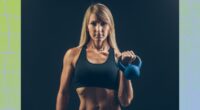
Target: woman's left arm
125	91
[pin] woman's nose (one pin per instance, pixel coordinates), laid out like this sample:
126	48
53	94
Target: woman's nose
99	27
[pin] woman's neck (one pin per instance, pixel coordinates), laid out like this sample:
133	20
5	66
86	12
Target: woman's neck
98	46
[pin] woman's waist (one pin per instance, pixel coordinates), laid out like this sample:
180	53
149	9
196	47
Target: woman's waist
98	98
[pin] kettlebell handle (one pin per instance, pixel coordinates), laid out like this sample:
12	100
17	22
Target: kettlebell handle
122	67
140	61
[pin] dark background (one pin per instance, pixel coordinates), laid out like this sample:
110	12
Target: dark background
148	27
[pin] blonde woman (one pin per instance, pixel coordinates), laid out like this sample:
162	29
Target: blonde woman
99	83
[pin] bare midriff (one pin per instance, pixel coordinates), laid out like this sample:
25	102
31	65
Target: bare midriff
93	98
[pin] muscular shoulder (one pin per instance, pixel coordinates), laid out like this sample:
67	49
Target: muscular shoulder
73	51
117	53
72	54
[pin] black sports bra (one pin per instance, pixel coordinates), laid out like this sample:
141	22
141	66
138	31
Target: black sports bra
103	75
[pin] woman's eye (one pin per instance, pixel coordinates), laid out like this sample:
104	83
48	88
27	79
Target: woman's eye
103	23
93	23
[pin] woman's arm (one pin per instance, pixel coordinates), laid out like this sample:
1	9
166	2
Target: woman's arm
65	81
125	91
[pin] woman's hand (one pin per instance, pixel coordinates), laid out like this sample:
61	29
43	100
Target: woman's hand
127	57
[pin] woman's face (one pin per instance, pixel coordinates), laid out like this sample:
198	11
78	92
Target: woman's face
98	30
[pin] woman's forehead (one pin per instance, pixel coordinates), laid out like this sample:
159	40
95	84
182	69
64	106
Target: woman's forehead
98	18
92	17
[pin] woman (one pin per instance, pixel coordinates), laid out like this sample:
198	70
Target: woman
99	83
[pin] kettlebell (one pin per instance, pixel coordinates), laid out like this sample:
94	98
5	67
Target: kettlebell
131	70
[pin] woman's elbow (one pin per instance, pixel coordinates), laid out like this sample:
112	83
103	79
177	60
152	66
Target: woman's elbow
62	95
125	102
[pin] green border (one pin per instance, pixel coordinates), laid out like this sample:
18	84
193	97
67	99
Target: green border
189	58
10	58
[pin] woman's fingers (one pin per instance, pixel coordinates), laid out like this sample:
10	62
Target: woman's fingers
128	56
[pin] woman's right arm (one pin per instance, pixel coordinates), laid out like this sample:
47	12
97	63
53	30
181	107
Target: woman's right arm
65	81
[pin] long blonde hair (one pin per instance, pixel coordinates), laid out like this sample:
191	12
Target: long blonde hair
104	13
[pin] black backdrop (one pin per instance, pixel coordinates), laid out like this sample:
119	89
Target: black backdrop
148	27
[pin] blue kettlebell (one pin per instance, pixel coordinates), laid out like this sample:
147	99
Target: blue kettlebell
131	70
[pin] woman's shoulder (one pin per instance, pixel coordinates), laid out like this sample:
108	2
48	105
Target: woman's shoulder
73	51
72	55
117	53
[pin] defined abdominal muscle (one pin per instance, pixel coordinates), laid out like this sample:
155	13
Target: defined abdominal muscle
93	98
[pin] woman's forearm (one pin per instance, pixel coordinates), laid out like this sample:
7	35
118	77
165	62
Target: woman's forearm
125	93
62	101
